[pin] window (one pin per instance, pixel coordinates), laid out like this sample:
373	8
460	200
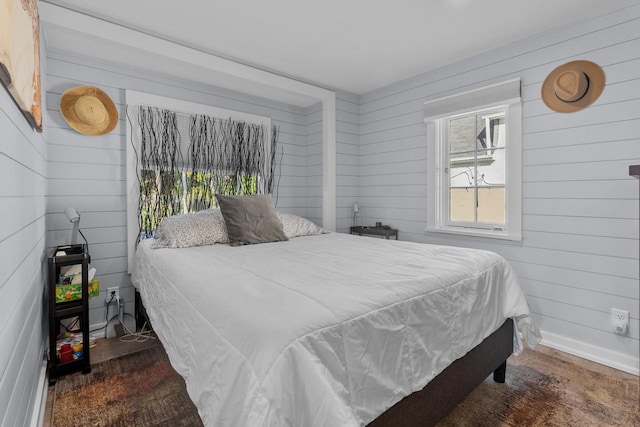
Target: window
167	173
166	193
185	159
474	162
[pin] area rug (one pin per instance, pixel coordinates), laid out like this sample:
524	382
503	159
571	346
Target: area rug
543	390
139	389
142	389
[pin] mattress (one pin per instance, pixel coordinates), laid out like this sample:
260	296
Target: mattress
326	330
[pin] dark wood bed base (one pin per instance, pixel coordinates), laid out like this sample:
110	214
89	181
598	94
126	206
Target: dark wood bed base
141	314
426	407
429	405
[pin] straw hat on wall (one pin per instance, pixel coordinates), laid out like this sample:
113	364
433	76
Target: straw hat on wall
573	86
88	110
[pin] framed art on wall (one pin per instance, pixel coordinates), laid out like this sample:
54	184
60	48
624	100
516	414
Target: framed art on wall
20	56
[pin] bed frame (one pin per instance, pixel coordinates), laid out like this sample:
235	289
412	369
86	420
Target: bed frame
429	405
426	407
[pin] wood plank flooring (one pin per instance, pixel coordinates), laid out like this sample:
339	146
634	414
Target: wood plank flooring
111	348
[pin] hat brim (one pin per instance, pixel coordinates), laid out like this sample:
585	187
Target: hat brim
67	108
596	86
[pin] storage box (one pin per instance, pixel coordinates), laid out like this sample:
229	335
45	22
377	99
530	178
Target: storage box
73	291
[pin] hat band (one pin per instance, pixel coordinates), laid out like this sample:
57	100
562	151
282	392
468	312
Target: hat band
586	91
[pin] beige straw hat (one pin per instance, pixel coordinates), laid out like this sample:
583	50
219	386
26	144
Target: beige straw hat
573	86
88	110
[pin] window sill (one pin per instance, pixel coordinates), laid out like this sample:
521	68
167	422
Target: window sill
474	232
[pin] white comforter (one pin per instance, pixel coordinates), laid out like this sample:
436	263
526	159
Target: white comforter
327	330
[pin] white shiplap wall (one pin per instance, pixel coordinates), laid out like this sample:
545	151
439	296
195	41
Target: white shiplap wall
88	172
347	159
23	335
579	256
313	163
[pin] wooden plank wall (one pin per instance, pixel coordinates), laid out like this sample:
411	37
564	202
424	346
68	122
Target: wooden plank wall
313	163
347	159
23	173
579	256
88	172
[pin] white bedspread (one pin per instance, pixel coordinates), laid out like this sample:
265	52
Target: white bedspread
326	330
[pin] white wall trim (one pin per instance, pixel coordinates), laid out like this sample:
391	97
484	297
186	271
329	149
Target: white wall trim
600	355
40	401
102	330
329	160
504	95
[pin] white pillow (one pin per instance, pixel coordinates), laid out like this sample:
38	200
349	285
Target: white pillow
193	229
296	226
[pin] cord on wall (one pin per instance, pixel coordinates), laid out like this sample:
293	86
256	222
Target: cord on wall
141	336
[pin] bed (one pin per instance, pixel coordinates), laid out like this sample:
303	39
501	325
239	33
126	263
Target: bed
332	329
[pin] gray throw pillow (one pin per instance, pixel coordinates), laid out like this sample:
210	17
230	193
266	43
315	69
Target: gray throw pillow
250	219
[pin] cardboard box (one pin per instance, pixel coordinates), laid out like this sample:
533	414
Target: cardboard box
73	291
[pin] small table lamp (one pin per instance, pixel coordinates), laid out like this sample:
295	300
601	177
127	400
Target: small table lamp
356	210
74	217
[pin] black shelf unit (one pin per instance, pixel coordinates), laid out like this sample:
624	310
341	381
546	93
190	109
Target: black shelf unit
59	311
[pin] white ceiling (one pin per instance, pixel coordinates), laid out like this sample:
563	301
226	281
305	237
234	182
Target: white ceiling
353	45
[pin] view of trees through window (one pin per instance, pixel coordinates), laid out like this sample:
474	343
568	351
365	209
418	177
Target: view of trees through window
183	160
167	193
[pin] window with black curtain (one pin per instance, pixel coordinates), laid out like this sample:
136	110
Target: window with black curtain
183	160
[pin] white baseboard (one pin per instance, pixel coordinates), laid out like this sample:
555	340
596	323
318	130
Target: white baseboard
600	355
40	403
101	332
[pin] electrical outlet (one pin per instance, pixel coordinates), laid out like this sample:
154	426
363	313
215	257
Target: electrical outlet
620	321
115	291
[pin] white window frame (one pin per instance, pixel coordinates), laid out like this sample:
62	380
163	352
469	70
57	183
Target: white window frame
133	144
503	95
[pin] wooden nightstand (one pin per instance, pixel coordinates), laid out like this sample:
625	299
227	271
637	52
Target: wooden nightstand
374	231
